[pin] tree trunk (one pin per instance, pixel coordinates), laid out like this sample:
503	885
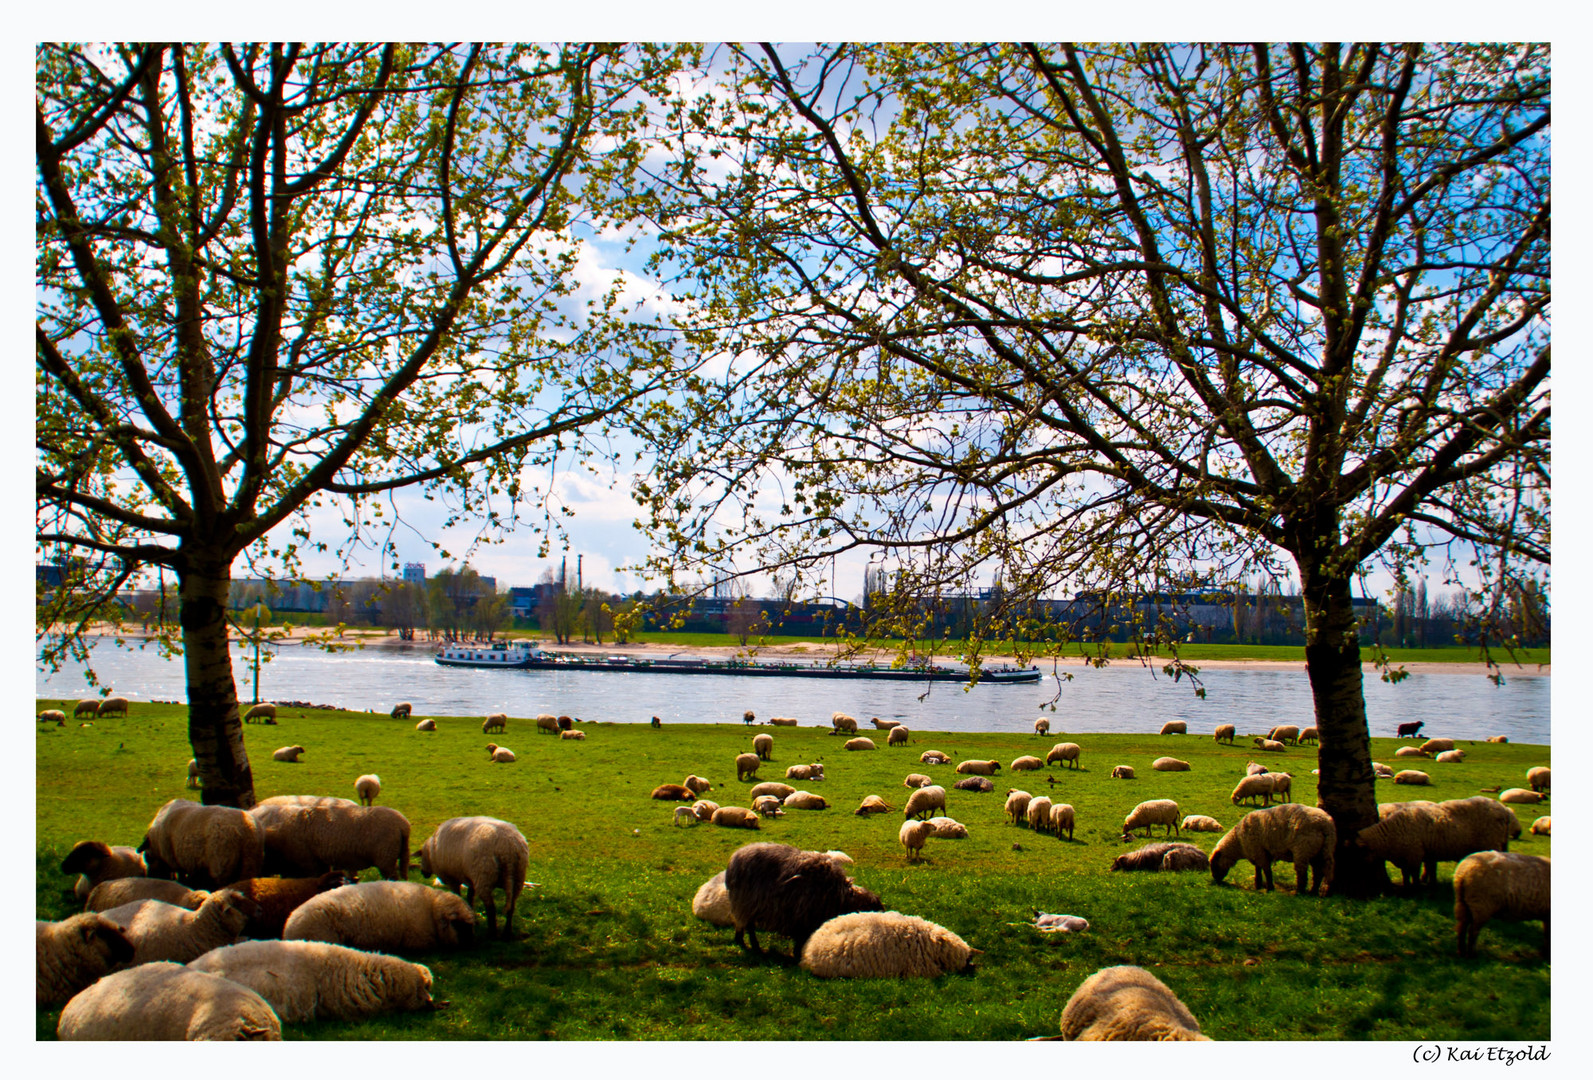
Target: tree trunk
1344	751
215	729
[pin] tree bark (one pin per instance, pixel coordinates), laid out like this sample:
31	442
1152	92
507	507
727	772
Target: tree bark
215	728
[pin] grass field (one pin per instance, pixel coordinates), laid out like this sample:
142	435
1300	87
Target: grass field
607	947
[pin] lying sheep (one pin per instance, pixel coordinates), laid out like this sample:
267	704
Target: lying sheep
497	721
1163	857
1175	727
390	916
547	722
747	765
1450	757
276	898
735	817
860	743
673	793
947	829
841	724
483	854
1026	763
1381	771
1271	746
763	746
1516	795
52	716
767	806
1064	752
573	736
1152	812
814	771
1127	1004
974	783
1256	785
1200	823
1303	835
1433	746
314	980
307	841
1254	768
1017	806
1416	836
1491	884
95	861
428	724
783	721
1412	776
73	953
925	801
975	767
367	787
704	809
1170	764
770	787
402	711
1225	733
696	783
805	800
872	804
265	712
168	1002
499	755
684	813
1061	818
1498	738
1411	751
116	706
129	890
884	945
898	736
1122	772
193	774
1540	826
1285	733
203	846
1038	813
287	753
1538	778
917	780
712	902
933	757
782	890
161	931
1042	726
913	835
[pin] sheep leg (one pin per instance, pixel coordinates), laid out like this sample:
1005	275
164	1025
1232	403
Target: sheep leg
492	911
1267	870
1261	881
1302	878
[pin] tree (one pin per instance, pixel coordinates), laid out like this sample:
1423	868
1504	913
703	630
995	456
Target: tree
559	609
1099	316
276	278
744	616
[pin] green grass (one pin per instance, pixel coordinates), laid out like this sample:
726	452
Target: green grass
608	948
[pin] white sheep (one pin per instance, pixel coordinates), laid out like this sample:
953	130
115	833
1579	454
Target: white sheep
1225	733
925	801
1127	1004
310	840
1122	772
842	724
1540	826
976	767
402	711
1538	778
367	787
884	725
873	804
390	916
1170	764
1254	767
1175	727
427	724
1411	751
747	765
168	1002
712	902
947	829
805	800
52	716
763	746
547	722
86	707
770	787
499	754
483	854
933	757
767	806
684	813
1282	783
783	721
1498	738
1017	805
1271	746
1038	813
1518	795
1450	757
95	861
1042	726
287	753
127	890
917	780
1162	812
1200	823
1490	884
1251	787
1026	763
1061	818
206	846
1062	753
1285	733
116	704
735	817
162	931
860	743
1381	771
1415	836
704	809
1303	835
913	834
815	771
898	736
497	721
315	980
1433	746
1412	776
73	953
696	783
263	711
884	945
573	736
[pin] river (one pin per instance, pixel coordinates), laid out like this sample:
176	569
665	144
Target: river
1123	697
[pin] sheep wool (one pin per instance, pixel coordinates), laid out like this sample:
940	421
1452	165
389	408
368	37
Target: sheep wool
783	721
782	890
1495	884
314	980
1201	823
1225	733
573	736
1538	778
925	802
884	725
500	755
1285	733
1272	746
1498	738
277	898
747	765
873	804
402	711
52	716
1163	812
204	846
497	721
712	902
770	787
1411	751
113	705
1127	1004
391	916
815	771
1017	805
1026	763
1309	735
484	854
1170	764
86	707
1303	835
1450	757
161	931
683	813
168	1002
193	774
697	784
547	722
884	945
860	743
73	953
367	787
913	834
129	890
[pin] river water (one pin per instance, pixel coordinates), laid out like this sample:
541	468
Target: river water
1123	697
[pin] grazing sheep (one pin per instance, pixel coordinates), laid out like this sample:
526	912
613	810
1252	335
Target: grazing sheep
1038	813
1272	746
673	793
1285	733
314	980
974	783
1175	727
704	809
805	800
1516	795
947	829
763	746
1061	818
1538	778
1416	836
86	707
1303	835
735	817
767	806
780	889
95	861
933	757
1170	764
747	765
1200	823
264	712
52	716
1027	763
697	784
884	945
1490	884
499	755
872	804
547	722
1225	733
483	854
913	834
1252	786
1042	726
898	736
975	767
860	743
1017	806
573	736
203	846
565	724
128	890
814	771
1412	776
841	724
712	902
390	916
171	1003
917	780
1309	735
277	898
287	753
367	787
117	705
1162	812
497	721
770	787
1411	751
162	931
402	711
1122	772
1127	1004
1540	826
1163	857
925	801
1063	752
73	953
1498	738
193	773
428	724
1434	746
1282	782
1408	731
307	841
783	721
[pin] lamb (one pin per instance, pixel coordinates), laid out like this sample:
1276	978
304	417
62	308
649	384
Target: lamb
95	861
1285	733
1538	778
872	804
684	813
782	890
1301	834
1540	826
483	854
841	724
128	890
390	916
1162	812
277	898
814	771
1042	726
933	757
805	800
1164	857
168	1002
913	834
947	829
1491	884
884	725
1281	783
735	817
1270	745
1411	751
428	724
264	712
1450	757
884	945
203	846
917	780
1408	731
697	784
1175	727
763	746
975	767
499	755
673	793
86	707
161	931
704	809
861	743
1061	818
1412	776
1064	752
1225	733
402	711
747	765
770	787
73	953
1433	746
925	801
1038	813
1381	771
1415	836
313	980
1017	805
712	902
1170	764
497	721
1515	795
367	787
1127	1004
767	806
1122	772
573	736
1252	786
1026	763
193	773
1200	823
287	753
117	705
974	783
898	736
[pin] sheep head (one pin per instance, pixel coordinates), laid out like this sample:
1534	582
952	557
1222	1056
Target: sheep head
87	857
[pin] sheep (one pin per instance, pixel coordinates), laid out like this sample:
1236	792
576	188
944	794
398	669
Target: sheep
1162	812
1412	776
1175	727
1411	751
805	800
168	1002
73	953
1061	818
1415	836
975	767
1281	784
162	931
428	724
402	711
1540	826
262	713
884	945
573	736
483	854
974	783
276	898
747	765
697	784
1254	768
499	755
1200	823
734	817
1164	857
913	834
497	721
1122	772
1301	834
1381	771
118	705
841	724
767	806
872	804
1062	753
898	736
367	787
128	890
547	722
1170	764
814	771
925	801
780	889
193	773
1017	806
684	813
1225	733
314	980
1285	733
1489	884
1498	738
1538	778
86	707
783	721
1272	746
763	746
917	780
287	753
52	716
947	829
770	787
861	743
390	916
1519	795
711	903
1450	757
203	846
884	725
1042	726
1038	813
933	757
1127	1004
673	793
95	861
704	809
1026	763
1408	731
1434	746
1309	735
1256	784
310	840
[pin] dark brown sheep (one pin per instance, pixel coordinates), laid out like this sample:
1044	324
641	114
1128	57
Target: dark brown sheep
674	793
788	891
278	897
1163	857
974	783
